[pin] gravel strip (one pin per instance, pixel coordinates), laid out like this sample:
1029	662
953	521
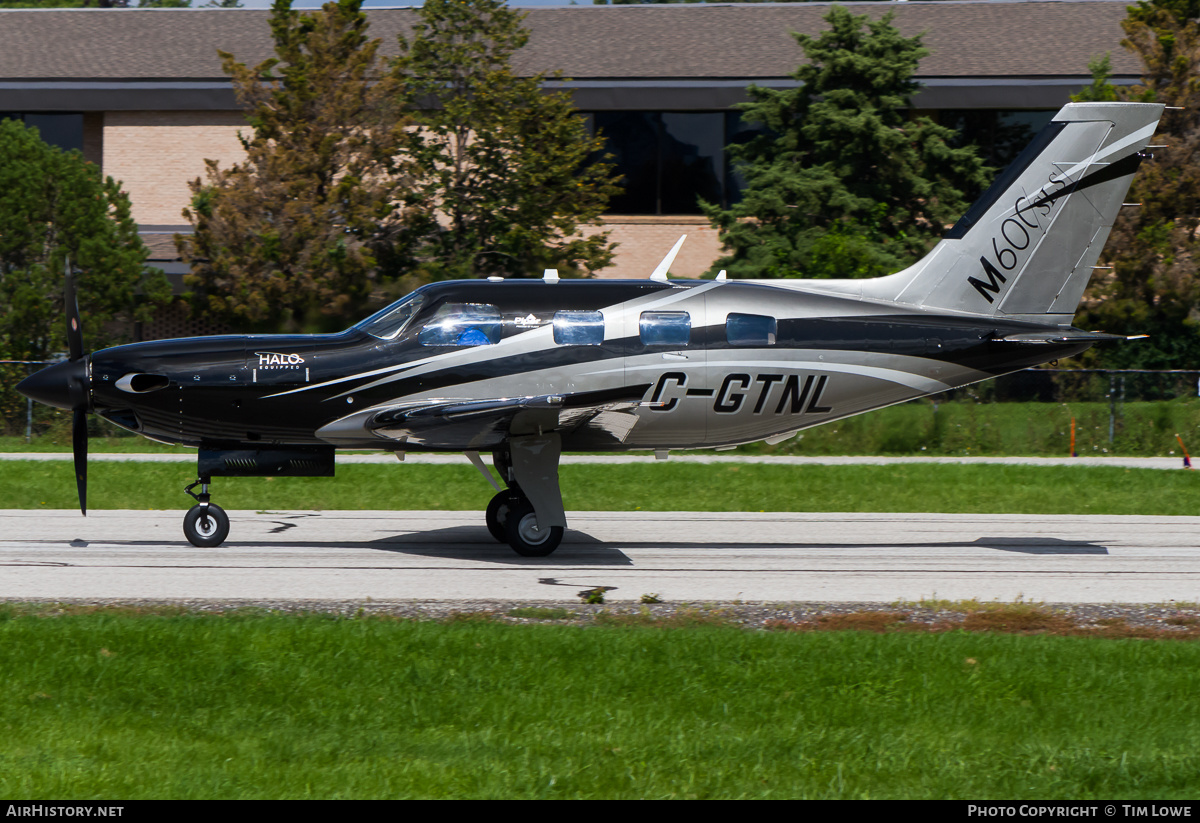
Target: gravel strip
1182	618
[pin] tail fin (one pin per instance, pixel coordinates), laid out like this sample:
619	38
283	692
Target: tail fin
1027	248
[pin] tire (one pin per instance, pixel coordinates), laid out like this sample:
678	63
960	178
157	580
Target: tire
206	530
526	538
497	513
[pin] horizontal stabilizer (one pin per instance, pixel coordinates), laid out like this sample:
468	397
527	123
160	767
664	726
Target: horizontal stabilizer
1071	336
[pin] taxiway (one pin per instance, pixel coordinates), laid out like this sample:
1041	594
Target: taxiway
686	556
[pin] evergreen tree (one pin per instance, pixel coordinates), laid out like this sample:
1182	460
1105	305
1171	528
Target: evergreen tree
843	182
1101	91
289	237
504	185
1154	284
56	206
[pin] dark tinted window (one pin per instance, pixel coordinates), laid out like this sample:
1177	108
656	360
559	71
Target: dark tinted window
750	330
666	328
667	160
62	130
578	328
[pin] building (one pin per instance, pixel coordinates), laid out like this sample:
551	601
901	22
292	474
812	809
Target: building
141	91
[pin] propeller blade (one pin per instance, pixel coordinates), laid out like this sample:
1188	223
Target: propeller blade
74	332
79	443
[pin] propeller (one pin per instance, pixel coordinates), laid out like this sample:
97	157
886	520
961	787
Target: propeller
80	389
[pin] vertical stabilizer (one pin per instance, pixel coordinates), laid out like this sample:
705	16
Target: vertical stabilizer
1027	248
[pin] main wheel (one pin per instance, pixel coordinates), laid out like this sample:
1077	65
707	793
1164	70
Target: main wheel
524	535
497	513
206	529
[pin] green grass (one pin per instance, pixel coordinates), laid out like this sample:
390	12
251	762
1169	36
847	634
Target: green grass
106	706
649	487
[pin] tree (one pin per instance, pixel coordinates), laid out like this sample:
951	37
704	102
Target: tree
1154	284
505	181
57	206
290	236
843	182
1101	91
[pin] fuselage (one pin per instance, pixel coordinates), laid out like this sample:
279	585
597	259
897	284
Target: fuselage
713	363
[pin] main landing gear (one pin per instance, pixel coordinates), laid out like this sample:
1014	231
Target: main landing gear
205	525
528	515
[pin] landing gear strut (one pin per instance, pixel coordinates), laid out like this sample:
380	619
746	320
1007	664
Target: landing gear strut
530	521
205	525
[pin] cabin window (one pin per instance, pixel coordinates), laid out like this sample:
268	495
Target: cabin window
750	330
462	324
666	328
578	328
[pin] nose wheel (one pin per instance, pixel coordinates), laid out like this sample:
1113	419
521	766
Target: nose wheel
205	525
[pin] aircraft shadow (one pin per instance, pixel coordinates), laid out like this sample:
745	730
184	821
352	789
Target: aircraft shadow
580	548
450	542
595	551
1039	545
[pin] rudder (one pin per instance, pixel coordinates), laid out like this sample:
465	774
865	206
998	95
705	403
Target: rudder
1027	248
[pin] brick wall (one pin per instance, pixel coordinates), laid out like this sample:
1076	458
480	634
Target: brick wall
154	154
642	242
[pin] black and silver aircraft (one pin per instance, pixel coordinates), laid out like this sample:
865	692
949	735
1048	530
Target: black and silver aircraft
526	369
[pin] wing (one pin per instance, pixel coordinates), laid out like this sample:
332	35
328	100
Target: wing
479	425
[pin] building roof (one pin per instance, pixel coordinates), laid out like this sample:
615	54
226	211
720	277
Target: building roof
50	57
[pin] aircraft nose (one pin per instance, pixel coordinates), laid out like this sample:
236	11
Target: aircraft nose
63	385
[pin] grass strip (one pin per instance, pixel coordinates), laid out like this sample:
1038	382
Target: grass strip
648	487
284	706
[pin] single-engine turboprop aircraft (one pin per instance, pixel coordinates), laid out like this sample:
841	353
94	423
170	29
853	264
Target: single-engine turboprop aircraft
526	369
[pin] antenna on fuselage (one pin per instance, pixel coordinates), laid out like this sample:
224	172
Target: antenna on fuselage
660	273
550	275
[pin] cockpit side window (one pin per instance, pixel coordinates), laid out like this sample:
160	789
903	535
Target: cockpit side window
578	328
389	323
462	324
751	330
666	328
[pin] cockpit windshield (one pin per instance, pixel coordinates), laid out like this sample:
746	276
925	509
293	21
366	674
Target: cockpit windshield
388	323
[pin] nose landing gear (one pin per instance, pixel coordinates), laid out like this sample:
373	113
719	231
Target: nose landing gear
205	525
